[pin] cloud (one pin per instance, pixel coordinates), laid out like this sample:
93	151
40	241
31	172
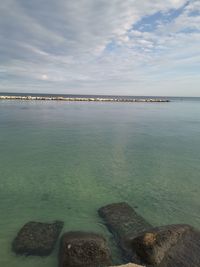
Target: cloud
98	46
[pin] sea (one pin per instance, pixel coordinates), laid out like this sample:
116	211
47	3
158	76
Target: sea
65	160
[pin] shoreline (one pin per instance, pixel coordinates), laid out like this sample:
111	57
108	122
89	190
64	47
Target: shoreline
86	99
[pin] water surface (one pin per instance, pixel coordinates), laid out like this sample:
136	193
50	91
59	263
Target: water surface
64	160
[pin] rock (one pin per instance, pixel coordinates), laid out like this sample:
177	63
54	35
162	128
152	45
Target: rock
169	246
81	249
129	265
36	238
124	223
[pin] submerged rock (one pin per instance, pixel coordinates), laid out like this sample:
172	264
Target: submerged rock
36	238
169	246
124	223
81	249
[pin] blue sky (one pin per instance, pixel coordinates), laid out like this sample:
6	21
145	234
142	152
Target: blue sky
129	47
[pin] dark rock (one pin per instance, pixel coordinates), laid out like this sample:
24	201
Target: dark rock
80	249
37	238
169	246
129	265
124	223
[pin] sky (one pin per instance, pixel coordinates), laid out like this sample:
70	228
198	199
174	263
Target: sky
112	47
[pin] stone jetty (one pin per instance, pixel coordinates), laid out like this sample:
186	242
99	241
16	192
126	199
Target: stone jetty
142	245
82	249
36	238
166	246
86	99
129	265
169	246
125	224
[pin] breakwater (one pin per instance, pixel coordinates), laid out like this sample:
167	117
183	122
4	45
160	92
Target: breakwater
169	245
87	99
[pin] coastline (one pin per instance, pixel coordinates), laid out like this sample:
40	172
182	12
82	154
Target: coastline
86	99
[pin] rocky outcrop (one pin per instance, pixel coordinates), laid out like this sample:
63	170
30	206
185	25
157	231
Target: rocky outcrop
124	223
129	265
169	246
81	249
36	238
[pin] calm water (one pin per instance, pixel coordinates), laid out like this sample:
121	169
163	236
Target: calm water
61	160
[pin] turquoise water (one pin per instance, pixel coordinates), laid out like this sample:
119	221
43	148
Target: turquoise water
62	161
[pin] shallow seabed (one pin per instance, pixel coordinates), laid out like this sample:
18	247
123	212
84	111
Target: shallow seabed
62	161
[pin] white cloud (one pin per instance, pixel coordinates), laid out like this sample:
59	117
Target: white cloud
91	47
